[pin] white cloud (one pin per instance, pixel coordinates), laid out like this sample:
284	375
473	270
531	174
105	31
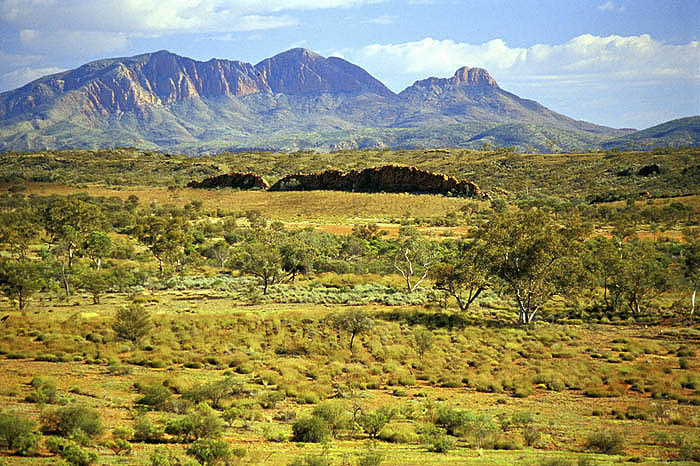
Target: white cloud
384	19
147	16
610	6
636	73
585	58
72	42
22	76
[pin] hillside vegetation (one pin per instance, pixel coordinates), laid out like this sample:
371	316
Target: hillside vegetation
148	323
584	177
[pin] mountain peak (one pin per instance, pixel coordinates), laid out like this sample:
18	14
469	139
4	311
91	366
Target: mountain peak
298	53
301	71
466	76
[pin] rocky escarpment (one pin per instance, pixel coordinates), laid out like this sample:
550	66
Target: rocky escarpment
232	180
389	178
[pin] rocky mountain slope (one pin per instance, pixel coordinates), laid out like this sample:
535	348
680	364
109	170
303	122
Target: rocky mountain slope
294	100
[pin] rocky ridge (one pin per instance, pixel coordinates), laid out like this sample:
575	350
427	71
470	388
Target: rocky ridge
164	101
236	180
389	178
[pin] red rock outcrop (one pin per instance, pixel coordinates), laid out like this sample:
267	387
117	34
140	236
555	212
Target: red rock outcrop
389	178
232	180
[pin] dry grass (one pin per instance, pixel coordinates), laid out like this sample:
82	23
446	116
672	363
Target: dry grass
289	206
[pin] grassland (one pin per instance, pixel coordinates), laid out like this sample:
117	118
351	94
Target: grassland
534	395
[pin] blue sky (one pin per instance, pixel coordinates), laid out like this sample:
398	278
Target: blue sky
622	63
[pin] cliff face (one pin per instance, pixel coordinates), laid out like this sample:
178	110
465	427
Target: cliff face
127	84
389	178
234	180
301	71
165	101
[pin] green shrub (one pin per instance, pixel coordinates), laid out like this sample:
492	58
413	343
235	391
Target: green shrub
312	429
163	457
273	434
454	421
18	434
531	435
119	446
606	441
70	451
203	423
231	415
270	399
215	392
72	420
210	451
145	431
505	443
373	423
132	323
44	391
334	414
311	460
400	433
370	459
154	395
437	441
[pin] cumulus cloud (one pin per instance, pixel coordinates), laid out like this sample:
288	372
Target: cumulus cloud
21	76
100	26
637	74
141	16
584	58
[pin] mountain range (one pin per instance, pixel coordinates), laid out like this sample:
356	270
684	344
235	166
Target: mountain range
294	100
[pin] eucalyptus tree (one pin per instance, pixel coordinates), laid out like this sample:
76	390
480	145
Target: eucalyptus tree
534	257
463	272
19	279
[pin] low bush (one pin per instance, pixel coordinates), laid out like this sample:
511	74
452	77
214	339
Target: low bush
119	447
273	434
17	434
311	429
72	420
370	459
203	423
210	451
145	431
399	433
436	440
154	395
606	441
531	435
132	323
311	460
334	414
70	451
44	391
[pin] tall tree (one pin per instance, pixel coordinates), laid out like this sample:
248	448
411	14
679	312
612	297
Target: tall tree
643	273
98	246
413	259
534	257
354	321
166	237
262	259
68	222
463	272
18	229
691	265
19	279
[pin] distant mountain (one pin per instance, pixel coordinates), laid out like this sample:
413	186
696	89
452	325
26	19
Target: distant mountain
294	100
680	132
